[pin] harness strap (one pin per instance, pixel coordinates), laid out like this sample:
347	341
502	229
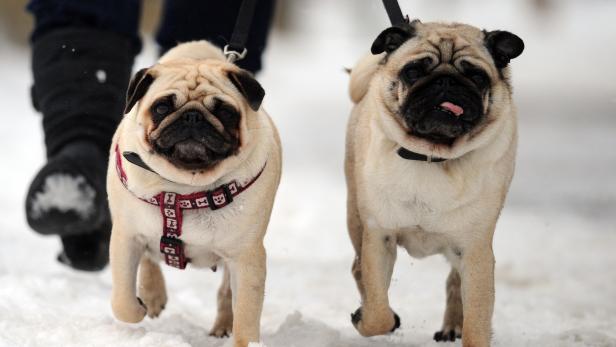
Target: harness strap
172	204
170	244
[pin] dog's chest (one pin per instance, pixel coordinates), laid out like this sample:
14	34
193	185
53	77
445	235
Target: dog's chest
207	235
400	194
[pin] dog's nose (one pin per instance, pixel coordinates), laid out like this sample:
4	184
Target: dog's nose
446	81
192	117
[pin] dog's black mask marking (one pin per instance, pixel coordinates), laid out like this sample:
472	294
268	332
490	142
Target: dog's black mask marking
192	142
424	116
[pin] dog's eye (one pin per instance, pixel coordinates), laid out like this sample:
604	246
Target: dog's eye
427	61
413	72
161	108
479	78
227	115
224	112
475	74
416	69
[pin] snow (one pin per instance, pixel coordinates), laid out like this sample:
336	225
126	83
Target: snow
554	245
101	76
64	193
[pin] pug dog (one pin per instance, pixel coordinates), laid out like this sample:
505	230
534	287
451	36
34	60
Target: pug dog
430	154
193	171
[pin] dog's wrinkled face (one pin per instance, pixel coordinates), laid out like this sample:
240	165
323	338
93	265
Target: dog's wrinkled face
441	78
191	115
194	133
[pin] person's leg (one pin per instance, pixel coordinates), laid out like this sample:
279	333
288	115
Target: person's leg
82	56
213	20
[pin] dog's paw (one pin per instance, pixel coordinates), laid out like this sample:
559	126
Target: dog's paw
222	327
220	331
132	311
396	323
373	327
447	335
452	327
154	300
356	317
154	304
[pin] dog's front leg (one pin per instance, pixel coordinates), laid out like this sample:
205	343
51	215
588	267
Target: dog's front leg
125	253
477	272
248	286
378	255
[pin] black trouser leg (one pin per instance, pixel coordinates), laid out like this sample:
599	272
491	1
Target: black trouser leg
213	20
82	56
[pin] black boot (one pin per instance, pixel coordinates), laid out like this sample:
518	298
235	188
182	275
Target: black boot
80	79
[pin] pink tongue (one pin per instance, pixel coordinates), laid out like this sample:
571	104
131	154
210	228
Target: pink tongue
453	108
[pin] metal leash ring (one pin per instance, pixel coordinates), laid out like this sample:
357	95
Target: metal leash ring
233	56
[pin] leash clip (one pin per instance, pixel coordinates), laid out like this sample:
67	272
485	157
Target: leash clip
233	56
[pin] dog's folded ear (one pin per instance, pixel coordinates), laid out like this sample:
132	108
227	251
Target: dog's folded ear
137	88
248	86
391	38
503	46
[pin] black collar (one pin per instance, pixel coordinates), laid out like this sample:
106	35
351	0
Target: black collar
408	155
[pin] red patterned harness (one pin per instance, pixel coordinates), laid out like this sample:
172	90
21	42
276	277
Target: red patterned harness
172	204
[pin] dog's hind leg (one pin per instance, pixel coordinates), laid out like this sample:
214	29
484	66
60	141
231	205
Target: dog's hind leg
378	255
355	231
152	287
452	323
224	318
354	224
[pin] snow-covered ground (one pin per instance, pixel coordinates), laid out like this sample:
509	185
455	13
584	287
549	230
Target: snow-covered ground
555	243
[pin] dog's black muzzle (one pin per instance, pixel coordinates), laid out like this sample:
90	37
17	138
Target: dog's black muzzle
443	109
192	142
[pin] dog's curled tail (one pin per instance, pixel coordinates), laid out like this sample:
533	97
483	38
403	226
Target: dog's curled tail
361	75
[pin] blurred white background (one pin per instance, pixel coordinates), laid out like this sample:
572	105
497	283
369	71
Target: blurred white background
554	244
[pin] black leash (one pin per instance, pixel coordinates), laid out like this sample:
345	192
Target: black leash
397	19
395	13
236	48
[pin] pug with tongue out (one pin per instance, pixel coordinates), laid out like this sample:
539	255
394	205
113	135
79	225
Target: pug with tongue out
430	154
